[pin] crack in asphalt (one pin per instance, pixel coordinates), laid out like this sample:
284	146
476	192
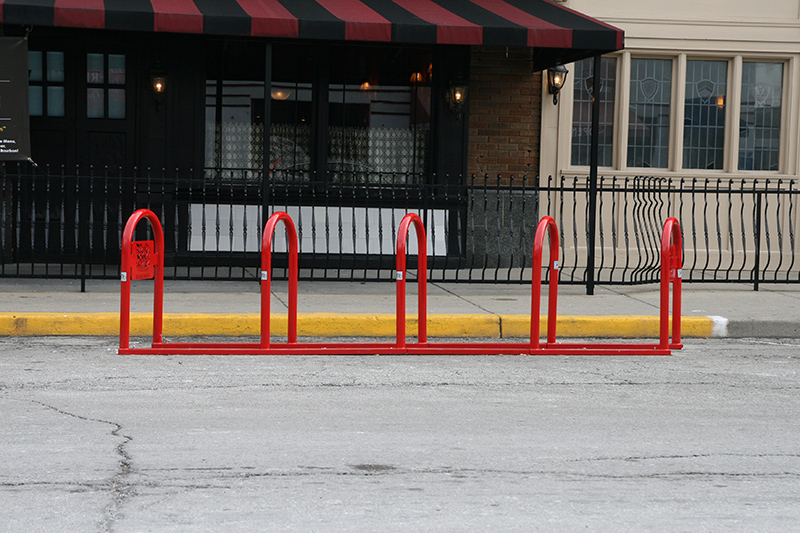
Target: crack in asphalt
223	476
120	489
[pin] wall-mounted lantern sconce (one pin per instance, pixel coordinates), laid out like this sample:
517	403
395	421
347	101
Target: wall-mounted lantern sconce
280	94
457	96
158	84
556	78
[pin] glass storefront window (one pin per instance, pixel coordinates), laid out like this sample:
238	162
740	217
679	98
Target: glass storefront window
292	113
704	114
375	106
648	125
582	111
760	122
234	126
379	113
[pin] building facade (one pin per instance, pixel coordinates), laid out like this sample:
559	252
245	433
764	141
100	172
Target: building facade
216	113
704	101
708	89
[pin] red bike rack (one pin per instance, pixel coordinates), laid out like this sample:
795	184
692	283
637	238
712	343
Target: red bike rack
144	260
141	260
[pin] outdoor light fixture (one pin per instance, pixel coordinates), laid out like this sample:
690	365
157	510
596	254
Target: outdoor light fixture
280	94
158	82
457	96
556	77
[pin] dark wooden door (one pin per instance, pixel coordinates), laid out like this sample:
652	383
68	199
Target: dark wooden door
106	134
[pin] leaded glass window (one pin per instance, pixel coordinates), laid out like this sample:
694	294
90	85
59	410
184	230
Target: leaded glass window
648	125
760	122
704	114
582	110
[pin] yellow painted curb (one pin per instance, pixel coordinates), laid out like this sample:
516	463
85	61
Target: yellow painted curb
343	325
620	327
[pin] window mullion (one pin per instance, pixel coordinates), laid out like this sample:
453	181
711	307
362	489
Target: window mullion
734	115
623	111
788	150
679	105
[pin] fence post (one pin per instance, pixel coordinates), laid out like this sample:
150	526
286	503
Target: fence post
84	216
757	266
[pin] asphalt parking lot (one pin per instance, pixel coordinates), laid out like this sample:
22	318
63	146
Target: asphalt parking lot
704	440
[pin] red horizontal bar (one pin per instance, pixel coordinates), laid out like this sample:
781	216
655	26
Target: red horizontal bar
368	348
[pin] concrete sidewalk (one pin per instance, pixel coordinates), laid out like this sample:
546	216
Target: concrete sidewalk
57	307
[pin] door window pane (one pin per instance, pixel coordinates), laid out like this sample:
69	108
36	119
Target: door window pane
116	103
95	103
116	69
648	126
704	114
55	66
55	101
35	101
760	125
95	68
34	66
582	111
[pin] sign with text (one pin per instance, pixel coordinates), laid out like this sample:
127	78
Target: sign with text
15	143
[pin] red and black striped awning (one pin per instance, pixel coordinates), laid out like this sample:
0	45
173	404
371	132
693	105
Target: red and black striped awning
530	23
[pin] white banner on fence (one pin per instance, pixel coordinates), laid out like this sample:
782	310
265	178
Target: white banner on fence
373	230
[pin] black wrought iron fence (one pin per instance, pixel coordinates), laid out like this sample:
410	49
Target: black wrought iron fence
734	230
68	224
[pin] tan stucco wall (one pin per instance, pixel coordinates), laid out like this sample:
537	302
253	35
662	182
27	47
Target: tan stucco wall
763	29
768	25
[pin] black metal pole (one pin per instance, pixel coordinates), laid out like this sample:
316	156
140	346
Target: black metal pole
757	242
593	163
267	121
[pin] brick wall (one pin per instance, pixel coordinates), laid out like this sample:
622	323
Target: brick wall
505	103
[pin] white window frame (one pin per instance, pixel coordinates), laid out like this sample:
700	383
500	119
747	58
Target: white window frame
789	152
